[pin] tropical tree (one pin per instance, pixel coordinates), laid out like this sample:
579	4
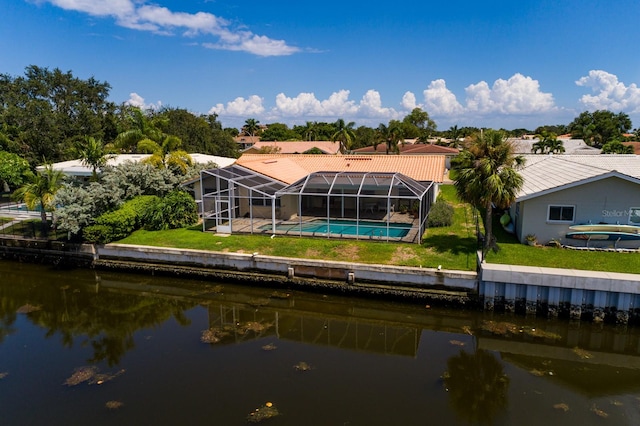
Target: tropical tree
92	153
548	142
344	134
40	190
140	127
391	136
13	170
616	147
418	124
486	176
599	127
251	127
166	153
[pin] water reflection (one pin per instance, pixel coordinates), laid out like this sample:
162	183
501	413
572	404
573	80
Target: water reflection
364	361
477	386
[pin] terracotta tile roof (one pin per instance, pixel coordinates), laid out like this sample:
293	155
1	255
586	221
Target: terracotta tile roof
411	149
635	145
297	147
290	168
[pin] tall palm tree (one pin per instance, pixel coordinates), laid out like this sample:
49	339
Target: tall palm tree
344	134
92	153
391	135
142	127
40	192
251	126
486	175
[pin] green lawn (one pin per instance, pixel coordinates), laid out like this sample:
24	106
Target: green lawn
452	247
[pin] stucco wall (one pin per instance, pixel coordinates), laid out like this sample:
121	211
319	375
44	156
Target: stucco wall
606	200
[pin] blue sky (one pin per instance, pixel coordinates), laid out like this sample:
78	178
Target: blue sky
468	63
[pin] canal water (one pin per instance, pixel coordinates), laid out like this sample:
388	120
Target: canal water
102	348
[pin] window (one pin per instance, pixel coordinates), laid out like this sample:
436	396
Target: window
634	215
561	213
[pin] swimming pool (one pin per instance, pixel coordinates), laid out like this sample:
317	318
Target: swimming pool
346	227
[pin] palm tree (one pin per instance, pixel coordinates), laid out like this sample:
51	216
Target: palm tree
391	135
141	128
251	126
92	154
40	192
166	153
486	175
344	134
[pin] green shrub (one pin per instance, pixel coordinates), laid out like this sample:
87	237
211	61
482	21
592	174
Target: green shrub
97	234
122	222
141	205
177	210
441	214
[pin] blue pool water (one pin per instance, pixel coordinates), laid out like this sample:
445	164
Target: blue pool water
346	227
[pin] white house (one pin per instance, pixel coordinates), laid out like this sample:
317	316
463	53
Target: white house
561	191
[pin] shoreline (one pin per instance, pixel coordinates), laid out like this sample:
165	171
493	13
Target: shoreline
535	291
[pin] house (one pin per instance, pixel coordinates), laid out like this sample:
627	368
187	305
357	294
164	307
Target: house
293	147
245	141
414	149
345	196
525	144
77	170
561	191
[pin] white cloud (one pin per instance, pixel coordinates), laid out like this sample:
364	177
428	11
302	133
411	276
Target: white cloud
138	101
517	95
306	105
240	107
610	94
441	100
138	15
518	99
409	101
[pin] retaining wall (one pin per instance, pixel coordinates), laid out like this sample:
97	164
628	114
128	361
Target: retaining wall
550	291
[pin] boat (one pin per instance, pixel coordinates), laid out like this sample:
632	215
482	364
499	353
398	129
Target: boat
606	227
603	235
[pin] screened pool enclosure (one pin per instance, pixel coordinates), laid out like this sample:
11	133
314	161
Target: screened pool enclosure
360	205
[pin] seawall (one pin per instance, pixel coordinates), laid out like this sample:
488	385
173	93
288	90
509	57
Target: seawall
575	294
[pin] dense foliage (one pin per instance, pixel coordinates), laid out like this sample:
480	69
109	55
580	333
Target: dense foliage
440	214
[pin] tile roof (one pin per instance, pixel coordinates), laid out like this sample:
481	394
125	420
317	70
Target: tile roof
290	168
411	149
635	145
549	173
297	147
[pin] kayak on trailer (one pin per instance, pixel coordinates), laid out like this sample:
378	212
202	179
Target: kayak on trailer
605	227
603	235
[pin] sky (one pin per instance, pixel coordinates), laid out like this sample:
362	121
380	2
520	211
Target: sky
501	64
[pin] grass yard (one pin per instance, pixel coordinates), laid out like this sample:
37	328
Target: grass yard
453	247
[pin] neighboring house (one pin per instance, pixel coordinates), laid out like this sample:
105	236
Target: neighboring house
245	142
414	149
571	146
75	168
293	147
290	193
564	190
